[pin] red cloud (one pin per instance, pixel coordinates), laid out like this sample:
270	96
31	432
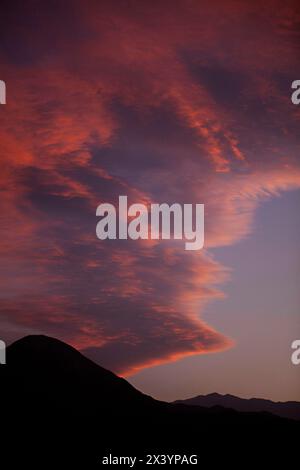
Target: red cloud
180	104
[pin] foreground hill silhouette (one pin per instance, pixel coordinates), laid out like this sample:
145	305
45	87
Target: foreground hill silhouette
66	379
60	408
290	409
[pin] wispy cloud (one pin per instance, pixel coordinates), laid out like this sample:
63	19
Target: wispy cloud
169	104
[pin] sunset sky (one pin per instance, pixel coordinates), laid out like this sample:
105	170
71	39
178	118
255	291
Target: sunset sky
173	101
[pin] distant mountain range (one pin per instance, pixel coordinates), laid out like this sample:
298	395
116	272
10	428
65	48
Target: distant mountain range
289	409
58	405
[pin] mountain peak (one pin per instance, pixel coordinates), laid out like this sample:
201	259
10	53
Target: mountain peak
283	409
52	368
41	349
213	395
39	340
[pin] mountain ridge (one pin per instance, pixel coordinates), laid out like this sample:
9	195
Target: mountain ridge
58	404
289	409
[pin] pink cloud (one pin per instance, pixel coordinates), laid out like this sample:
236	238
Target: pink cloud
139	103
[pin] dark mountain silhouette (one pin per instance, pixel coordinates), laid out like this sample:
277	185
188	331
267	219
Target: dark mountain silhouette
66	379
59	407
289	409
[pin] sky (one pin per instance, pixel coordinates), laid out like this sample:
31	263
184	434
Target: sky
182	101
263	318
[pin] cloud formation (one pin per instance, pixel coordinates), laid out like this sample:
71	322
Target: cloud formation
185	103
